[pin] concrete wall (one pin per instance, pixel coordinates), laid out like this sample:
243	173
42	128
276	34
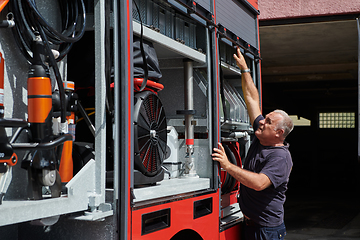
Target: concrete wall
278	9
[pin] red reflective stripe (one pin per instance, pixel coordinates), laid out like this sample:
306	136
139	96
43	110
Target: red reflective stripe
130	126
189	141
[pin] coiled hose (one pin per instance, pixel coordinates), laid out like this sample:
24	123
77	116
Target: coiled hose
29	22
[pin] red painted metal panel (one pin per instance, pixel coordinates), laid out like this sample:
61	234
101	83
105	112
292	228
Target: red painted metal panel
229	199
231	233
181	217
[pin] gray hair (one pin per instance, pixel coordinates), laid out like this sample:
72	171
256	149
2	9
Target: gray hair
286	123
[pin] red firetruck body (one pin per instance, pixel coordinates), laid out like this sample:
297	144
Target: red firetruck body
111	110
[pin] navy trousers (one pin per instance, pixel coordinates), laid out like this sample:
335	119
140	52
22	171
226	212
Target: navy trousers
257	232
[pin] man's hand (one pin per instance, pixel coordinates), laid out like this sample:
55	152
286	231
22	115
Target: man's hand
251	95
256	181
240	60
220	156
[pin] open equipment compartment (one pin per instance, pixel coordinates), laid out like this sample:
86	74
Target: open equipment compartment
85	191
183	50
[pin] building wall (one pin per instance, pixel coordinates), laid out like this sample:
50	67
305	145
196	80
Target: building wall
278	9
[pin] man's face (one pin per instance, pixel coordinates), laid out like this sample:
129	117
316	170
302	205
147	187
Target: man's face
266	132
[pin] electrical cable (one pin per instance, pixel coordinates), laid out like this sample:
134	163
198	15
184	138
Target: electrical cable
29	22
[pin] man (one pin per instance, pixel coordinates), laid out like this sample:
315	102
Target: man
264	178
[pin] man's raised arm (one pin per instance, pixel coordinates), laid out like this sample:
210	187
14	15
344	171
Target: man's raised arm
250	91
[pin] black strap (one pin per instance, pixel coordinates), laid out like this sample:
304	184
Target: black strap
146	70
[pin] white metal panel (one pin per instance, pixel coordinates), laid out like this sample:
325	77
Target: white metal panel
175	49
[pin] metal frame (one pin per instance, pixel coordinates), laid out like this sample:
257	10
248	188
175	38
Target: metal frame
123	162
87	188
178	49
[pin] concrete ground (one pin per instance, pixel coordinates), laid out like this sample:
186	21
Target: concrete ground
323	216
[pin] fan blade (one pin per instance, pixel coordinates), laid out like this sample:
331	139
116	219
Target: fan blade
151	162
162	134
161	152
144	155
162	146
143	118
149	106
161	117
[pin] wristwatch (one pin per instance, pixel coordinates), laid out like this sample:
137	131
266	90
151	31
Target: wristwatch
245	70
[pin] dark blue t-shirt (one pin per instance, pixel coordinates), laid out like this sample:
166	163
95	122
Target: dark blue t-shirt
266	207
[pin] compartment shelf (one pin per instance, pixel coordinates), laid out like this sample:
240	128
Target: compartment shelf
168	48
230	70
170	187
80	192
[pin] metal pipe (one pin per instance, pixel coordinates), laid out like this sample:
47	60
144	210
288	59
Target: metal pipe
238	134
43	146
234	136
7	23
189	101
189	117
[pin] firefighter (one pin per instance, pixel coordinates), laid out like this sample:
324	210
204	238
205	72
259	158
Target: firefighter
265	175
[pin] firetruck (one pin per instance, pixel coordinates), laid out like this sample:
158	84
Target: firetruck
109	111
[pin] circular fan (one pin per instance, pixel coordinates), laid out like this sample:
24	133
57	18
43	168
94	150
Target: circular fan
150	133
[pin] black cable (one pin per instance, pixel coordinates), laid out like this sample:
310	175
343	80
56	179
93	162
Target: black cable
57	75
22	33
27	16
69	30
29	20
146	70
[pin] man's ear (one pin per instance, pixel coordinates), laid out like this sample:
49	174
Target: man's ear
279	133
